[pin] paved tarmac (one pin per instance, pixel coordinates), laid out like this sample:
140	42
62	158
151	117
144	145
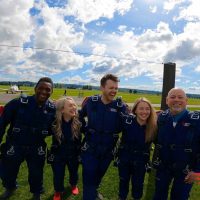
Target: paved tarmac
4	98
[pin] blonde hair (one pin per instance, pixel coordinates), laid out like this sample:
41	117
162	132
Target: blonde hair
151	126
75	125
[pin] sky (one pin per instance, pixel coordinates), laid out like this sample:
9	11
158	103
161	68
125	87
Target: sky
79	41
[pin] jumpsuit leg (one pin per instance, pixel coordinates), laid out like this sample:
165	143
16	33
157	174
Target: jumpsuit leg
73	171
102	168
1	169
35	165
180	189
90	171
11	165
58	169
163	180
124	178
137	180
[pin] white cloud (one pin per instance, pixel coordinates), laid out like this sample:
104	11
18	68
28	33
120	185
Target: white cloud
122	27
74	80
153	9
100	23
186	47
87	10
170	4
11	16
122	47
190	13
197	69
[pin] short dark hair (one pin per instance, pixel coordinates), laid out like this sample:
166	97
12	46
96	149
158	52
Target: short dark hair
108	77
45	79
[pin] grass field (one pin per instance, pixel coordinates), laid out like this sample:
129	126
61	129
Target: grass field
109	186
127	97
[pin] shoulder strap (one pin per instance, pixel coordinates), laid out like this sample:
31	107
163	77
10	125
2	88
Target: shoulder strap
94	101
23	99
119	102
51	105
194	117
162	117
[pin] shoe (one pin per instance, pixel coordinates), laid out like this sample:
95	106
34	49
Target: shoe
99	196
57	196
8	193
74	190
36	197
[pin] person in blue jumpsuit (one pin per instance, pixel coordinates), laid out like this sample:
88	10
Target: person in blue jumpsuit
30	119
139	129
66	144
103	127
177	148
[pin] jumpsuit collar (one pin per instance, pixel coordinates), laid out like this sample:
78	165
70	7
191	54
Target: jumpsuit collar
177	117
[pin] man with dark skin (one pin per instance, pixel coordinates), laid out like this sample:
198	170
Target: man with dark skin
30	120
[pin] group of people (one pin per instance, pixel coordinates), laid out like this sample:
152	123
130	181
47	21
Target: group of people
91	135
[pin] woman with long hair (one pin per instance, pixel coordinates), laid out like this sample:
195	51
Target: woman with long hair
65	149
139	129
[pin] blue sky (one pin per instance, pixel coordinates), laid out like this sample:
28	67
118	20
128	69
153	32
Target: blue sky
79	41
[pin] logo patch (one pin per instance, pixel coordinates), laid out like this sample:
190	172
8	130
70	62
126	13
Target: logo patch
113	110
186	124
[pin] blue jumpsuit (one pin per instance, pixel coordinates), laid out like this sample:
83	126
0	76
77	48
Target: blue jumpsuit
29	125
103	127
133	157
178	152
66	153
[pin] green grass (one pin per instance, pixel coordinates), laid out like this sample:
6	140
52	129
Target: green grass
109	186
127	97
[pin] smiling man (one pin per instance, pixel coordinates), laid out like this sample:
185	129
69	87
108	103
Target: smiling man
103	125
178	146
30	120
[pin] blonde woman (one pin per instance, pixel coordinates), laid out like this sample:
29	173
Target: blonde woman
65	146
139	130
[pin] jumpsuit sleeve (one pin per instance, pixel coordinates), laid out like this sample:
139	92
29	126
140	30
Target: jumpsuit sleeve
52	120
82	114
197	161
7	116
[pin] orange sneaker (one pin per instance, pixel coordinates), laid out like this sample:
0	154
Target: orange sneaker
74	190
57	196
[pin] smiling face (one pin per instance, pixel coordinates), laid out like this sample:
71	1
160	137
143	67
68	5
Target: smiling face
142	112
43	91
109	91
69	110
176	101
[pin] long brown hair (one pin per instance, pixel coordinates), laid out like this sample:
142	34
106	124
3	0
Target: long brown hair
151	125
75	125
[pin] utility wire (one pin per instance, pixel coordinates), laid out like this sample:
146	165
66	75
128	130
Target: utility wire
77	52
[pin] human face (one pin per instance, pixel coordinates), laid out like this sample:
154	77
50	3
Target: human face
42	92
109	91
142	112
69	110
176	101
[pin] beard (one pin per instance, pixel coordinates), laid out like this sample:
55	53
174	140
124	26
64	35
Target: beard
176	109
